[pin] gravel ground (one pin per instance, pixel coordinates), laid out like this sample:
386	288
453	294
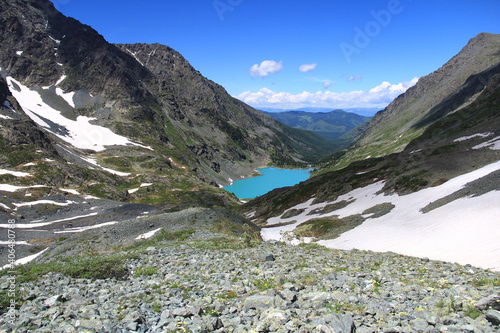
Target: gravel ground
267	287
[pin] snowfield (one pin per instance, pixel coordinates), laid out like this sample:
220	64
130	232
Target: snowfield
466	231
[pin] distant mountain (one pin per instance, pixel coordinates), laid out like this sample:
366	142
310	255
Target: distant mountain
132	113
367	112
330	125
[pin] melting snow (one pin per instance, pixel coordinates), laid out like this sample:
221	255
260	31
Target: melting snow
137	189
14	173
81	229
480	135
493	144
43	224
114	172
466	230
148	234
75	192
43	202
80	132
13	188
24	260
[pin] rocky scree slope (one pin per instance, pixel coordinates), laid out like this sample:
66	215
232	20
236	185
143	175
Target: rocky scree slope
199	285
196	133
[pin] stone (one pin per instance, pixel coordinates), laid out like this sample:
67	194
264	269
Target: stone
493	316
490	302
185	312
267	257
419	325
258	302
52	301
93	324
316	299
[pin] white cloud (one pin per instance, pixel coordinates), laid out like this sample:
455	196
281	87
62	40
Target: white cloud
307	67
354	78
327	84
377	97
265	68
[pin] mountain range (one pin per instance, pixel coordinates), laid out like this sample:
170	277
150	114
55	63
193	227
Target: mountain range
133	139
330	125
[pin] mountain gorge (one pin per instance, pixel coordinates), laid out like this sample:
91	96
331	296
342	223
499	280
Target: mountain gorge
404	119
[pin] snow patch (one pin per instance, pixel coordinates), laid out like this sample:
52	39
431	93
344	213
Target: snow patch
480	135
43	224
24	260
75	192
43	202
114	172
13	188
493	144
135	57
466	230
14	173
148	234
82	229
79	133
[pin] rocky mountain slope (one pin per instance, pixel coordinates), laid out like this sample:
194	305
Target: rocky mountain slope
94	101
408	115
444	185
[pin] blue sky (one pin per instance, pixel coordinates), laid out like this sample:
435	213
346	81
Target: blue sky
357	53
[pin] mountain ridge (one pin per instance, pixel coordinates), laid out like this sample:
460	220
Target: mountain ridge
392	129
195	129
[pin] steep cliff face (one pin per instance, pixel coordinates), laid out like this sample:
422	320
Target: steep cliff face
135	109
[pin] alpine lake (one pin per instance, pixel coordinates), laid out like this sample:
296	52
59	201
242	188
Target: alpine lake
269	179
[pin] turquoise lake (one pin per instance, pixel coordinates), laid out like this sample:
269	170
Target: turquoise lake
269	179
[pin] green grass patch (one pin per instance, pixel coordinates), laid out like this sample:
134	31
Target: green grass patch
264	284
145	270
318	227
482	282
98	267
